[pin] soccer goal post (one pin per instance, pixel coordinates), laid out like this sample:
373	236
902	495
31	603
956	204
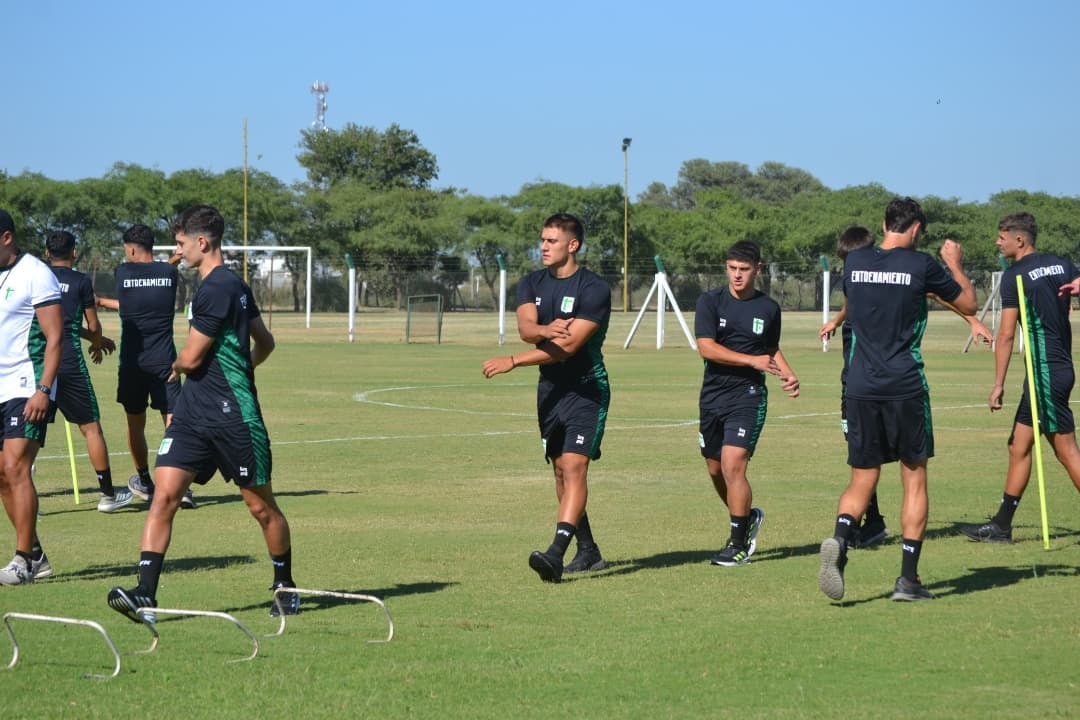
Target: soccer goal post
271	249
423	318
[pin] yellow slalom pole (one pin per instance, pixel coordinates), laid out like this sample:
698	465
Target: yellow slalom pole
1028	345
71	459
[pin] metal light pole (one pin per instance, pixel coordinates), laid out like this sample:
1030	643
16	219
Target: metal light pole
626	226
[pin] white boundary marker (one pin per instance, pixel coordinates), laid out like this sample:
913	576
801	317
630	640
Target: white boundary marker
154	611
336	594
662	290
66	621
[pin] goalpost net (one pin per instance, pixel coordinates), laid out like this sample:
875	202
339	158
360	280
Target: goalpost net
423	318
267	267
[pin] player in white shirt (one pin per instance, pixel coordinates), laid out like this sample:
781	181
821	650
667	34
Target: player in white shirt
28	291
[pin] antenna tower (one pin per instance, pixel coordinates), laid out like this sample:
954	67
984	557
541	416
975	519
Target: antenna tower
319	89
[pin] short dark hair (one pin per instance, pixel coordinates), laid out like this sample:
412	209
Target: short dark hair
855	237
1020	222
902	213
6	223
744	251
200	220
140	235
60	244
568	224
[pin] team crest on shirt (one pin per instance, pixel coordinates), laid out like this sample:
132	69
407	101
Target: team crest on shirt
537	301
567	304
722	322
759	326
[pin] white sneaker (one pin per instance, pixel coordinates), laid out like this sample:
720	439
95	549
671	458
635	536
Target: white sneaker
119	498
140	489
188	501
41	568
16	573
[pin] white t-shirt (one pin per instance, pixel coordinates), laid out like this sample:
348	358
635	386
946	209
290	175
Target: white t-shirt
23	287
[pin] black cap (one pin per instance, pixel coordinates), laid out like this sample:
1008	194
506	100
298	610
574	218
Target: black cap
6	223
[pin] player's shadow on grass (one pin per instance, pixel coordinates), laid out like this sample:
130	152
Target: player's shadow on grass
980	579
677	558
311	603
128	569
1021	533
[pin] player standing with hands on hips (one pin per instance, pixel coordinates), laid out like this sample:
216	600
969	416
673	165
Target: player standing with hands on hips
564	310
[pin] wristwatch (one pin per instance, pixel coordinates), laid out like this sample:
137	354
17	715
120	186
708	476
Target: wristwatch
47	389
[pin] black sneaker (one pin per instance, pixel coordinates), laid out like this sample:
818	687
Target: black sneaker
284	603
869	533
989	532
731	555
548	567
908	590
586	560
833	561
127	602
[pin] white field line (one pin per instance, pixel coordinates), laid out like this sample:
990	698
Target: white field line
647	424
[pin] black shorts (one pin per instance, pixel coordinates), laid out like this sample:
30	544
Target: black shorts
75	397
1052	393
135	385
737	422
16	426
240	450
572	421
884	431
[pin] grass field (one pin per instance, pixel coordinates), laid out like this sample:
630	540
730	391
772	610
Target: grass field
405	474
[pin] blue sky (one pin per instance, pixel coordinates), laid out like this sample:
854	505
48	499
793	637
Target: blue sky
956	99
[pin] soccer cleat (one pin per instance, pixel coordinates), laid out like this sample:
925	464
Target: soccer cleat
831	574
989	532
731	555
908	590
119	498
586	560
16	573
548	567
41	568
141	489
757	519
128	602
285	603
869	533
188	501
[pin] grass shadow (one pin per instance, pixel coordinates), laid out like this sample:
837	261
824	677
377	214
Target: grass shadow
978	580
105	572
311	603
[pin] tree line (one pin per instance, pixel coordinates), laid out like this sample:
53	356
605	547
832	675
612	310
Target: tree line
370	193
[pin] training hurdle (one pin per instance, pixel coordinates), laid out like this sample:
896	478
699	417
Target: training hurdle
330	593
148	612
66	621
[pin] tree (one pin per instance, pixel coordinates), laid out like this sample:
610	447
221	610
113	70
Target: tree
485	228
393	158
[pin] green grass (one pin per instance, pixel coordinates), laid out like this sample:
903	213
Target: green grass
405	474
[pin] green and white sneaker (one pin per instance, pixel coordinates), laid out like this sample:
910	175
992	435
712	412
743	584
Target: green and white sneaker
757	519
731	555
